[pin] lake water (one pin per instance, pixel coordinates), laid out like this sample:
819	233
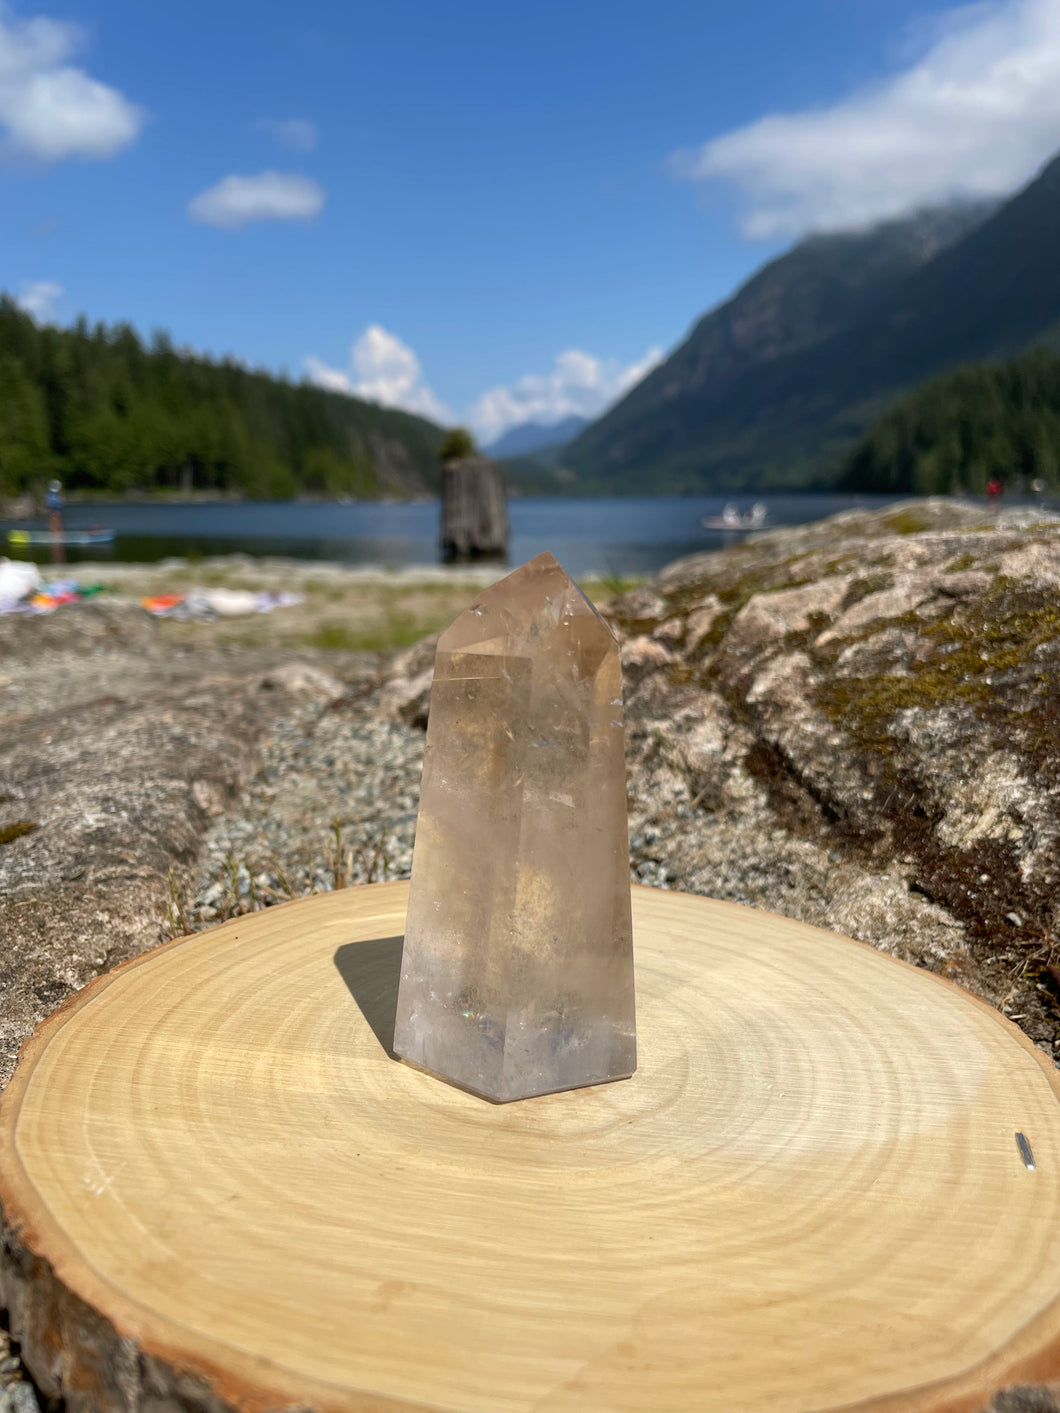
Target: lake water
588	537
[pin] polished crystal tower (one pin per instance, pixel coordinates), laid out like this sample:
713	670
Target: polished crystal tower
517	968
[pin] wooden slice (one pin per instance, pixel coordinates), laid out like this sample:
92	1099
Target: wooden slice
221	1191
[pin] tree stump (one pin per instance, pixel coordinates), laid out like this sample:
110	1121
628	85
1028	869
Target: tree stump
220	1191
474	508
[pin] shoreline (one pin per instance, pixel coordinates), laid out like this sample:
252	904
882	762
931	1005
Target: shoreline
246	567
25	507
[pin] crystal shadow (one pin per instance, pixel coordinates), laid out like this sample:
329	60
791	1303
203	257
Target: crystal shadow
371	971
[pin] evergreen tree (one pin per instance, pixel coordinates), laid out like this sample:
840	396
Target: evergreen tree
24	450
458	443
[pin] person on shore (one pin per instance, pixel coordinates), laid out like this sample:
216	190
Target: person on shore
53	499
993	490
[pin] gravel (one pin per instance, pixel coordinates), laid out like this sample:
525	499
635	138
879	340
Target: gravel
334	803
17	1395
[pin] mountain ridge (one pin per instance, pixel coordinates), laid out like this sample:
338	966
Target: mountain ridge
526	438
861	319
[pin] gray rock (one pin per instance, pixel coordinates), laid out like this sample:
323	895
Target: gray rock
1022	1398
775	613
120	791
962	585
90	627
406	688
672	631
1038	562
304	677
19	1398
642	652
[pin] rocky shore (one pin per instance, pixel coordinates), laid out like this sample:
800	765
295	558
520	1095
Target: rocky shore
855	723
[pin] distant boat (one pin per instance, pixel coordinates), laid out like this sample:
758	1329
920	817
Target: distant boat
733	519
73	538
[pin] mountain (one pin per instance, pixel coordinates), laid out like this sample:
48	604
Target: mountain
772	388
530	437
105	412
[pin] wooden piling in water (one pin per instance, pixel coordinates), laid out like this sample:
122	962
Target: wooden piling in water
474	508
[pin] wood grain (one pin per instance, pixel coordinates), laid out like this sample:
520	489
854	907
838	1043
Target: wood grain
809	1197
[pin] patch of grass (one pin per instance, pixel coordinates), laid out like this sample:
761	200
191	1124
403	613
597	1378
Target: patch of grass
398	622
681	674
225	578
906	522
328	589
375	865
610	585
346	862
868	584
963	561
177	913
334	636
764	581
839	564
18	830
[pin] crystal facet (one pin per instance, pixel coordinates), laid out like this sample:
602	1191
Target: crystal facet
517	968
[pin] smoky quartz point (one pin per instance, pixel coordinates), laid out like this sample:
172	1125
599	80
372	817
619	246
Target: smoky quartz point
517	968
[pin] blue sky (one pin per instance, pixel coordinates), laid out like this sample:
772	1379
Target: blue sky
484	211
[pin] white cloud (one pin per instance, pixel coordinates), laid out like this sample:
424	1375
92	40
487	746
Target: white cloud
294	134
383	369
578	385
38	298
324	376
973	116
50	110
270	196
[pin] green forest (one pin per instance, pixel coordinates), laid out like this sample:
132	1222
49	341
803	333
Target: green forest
111	415
959	430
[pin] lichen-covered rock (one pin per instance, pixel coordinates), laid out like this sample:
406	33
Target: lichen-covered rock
860	726
700	621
